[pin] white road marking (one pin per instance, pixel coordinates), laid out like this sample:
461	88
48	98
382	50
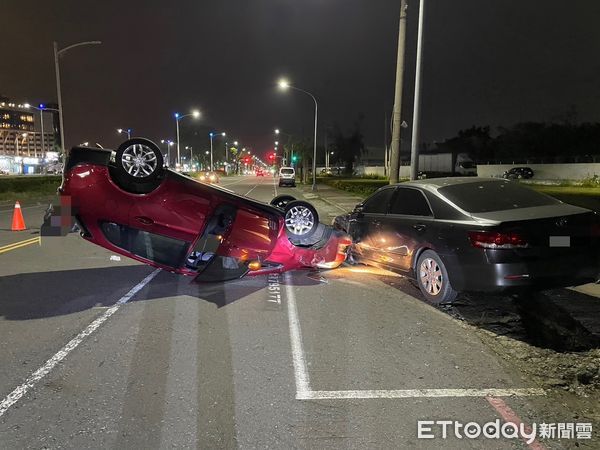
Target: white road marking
180	422
255	186
300	370
303	391
419	393
233	182
275	186
36	376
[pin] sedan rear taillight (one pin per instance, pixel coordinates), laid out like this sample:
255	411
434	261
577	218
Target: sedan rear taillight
497	240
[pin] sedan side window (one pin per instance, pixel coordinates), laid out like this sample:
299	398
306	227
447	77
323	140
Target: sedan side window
378	203
410	202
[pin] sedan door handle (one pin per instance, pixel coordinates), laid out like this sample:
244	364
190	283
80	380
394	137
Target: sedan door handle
420	227
145	220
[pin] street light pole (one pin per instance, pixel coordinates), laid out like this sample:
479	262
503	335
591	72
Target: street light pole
284	85
57	53
211	152
414	151
211	134
178	117
177	124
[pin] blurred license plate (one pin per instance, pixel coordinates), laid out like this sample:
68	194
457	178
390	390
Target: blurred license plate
560	241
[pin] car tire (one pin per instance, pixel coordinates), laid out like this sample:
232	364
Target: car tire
433	279
301	219
281	200
138	164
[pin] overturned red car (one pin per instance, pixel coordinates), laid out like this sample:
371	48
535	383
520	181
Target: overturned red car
128	202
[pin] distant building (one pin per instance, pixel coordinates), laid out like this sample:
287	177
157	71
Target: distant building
28	137
21	131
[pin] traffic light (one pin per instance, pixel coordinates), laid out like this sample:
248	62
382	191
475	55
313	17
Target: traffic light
247	160
271	157
294	158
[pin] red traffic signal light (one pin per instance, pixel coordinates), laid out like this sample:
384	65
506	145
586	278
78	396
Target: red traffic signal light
247	160
272	156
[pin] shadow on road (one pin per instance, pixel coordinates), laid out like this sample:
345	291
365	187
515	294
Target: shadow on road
47	294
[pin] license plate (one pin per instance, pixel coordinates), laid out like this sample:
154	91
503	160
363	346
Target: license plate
560	241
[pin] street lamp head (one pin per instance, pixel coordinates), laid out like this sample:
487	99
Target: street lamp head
207	152
26	105
162	141
119	130
276	130
235	143
283	84
196	113
176	115
223	134
42	106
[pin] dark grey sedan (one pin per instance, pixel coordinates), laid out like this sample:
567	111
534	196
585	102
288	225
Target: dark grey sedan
466	234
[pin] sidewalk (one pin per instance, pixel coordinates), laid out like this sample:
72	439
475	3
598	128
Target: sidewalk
343	201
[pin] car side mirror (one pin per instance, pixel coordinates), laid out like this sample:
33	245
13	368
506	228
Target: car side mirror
358	209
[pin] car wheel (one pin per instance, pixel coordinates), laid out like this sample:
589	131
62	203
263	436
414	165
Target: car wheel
139	160
301	219
433	279
281	200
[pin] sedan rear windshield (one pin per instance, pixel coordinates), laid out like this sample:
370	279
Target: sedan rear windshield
287	171
488	196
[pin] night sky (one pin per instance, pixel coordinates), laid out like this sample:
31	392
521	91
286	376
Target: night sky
486	62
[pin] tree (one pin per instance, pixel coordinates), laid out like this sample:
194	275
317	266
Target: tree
348	148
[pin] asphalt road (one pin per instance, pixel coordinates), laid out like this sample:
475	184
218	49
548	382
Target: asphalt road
102	352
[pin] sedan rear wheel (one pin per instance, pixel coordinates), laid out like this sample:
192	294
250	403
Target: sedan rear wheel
138	165
433	280
301	219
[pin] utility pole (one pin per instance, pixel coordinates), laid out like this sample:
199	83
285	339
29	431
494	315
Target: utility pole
414	152
397	119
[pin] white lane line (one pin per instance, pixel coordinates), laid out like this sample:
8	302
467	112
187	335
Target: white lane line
275	186
255	186
233	182
36	376
300	370
419	393
180	422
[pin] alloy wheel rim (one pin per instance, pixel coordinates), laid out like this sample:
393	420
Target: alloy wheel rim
139	160
299	220
431	277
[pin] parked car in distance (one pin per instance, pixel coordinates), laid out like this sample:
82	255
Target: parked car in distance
474	234
128	202
518	173
260	173
287	176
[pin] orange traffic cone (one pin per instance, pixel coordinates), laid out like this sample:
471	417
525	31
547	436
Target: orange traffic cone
18	224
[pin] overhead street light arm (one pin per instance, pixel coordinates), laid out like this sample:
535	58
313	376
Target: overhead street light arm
57	54
66	49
